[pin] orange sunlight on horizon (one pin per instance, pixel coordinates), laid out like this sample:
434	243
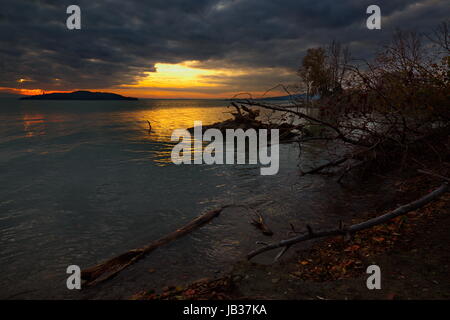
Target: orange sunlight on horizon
168	78
29	92
180	75
169	81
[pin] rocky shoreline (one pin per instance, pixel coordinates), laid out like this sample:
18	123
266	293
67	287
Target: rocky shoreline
413	252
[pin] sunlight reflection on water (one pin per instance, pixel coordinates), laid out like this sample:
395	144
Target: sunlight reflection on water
164	120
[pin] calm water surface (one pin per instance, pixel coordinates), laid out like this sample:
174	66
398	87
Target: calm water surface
83	181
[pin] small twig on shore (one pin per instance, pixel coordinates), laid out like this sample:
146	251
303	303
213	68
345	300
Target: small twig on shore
260	224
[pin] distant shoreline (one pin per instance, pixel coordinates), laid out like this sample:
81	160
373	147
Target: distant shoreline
79	95
113	96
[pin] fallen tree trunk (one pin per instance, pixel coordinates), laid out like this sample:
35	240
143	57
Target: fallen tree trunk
286	244
112	267
340	135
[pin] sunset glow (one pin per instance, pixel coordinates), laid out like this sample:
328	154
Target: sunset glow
181	80
172	81
187	79
180	75
28	92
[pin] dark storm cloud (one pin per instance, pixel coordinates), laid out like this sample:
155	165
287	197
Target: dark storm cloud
121	40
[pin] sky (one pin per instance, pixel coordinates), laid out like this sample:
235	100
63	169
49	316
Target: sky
187	48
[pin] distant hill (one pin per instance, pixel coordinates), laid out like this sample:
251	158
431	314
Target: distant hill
79	95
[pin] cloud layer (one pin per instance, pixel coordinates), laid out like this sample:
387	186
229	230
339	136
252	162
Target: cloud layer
120	41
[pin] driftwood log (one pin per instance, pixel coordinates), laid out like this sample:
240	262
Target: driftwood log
112	267
342	230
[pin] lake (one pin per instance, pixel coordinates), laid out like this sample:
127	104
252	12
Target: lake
82	181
